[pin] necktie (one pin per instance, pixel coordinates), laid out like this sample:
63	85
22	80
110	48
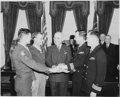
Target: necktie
41	49
58	48
107	45
90	51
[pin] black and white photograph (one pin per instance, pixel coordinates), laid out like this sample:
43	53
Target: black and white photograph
60	48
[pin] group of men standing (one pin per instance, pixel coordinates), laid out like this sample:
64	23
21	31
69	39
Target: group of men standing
89	65
112	52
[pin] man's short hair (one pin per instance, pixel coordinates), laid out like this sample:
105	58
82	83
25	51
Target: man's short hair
109	36
35	34
95	33
23	31
82	33
102	33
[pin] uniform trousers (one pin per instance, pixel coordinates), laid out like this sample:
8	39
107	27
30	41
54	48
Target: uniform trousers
39	84
23	86
77	89
58	88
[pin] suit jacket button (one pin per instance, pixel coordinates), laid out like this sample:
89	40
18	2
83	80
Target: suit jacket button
78	70
85	78
87	66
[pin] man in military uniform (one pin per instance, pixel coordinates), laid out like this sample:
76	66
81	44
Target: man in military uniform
77	65
95	67
22	60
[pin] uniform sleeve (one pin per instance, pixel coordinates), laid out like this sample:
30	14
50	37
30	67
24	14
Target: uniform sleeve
79	62
48	58
69	57
31	63
101	72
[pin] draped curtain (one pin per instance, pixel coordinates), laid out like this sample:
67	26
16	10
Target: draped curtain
58	20
9	25
34	20
105	19
81	20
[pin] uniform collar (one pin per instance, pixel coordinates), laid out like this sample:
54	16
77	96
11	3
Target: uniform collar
82	46
19	44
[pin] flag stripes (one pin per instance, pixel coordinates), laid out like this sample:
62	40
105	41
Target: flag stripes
44	29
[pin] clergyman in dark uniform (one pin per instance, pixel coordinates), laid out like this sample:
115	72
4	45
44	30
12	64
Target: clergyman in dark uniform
111	60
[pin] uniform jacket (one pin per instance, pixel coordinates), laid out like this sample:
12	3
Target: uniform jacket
54	57
38	56
79	62
94	71
22	60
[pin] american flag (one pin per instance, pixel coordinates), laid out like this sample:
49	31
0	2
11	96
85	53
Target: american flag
44	29
95	18
95	24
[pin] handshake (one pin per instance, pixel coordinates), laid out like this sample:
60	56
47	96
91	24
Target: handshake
59	69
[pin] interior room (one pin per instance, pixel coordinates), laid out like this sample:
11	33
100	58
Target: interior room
49	17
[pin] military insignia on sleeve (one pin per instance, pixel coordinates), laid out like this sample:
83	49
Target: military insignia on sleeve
65	52
26	58
81	52
22	53
92	58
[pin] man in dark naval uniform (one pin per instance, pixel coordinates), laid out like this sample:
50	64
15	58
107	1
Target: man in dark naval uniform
95	67
79	61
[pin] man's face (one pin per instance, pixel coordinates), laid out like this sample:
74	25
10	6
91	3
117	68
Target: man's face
102	37
58	39
90	39
27	38
38	39
107	39
78	38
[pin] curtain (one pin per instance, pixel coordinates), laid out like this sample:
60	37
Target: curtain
58	20
81	21
105	19
9	25
34	20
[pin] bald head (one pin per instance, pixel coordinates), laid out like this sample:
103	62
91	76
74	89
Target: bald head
58	38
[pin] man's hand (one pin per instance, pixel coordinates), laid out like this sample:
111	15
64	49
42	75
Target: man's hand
55	69
63	67
33	85
58	69
93	94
